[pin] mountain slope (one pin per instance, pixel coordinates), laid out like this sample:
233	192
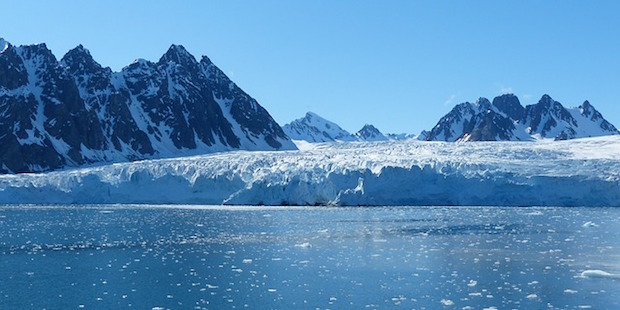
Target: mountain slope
72	112
506	120
314	128
370	133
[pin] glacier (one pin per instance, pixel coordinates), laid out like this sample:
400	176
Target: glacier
582	172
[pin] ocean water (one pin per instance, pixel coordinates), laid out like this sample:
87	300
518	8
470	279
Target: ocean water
213	257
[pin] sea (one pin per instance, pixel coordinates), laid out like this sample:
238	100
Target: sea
221	257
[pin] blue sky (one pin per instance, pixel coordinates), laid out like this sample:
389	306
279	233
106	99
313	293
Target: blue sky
399	65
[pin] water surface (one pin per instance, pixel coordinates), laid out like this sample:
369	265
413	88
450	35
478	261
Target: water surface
184	257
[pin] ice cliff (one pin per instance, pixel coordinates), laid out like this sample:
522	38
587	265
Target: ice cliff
582	172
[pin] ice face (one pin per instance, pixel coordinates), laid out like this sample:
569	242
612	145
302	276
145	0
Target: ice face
583	172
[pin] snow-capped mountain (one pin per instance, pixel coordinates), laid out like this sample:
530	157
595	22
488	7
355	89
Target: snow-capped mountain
71	112
314	128
370	133
584	172
505	119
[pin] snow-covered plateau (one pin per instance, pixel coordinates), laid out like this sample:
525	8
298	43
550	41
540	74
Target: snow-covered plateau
582	172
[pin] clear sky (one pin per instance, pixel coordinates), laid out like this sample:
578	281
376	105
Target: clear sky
399	65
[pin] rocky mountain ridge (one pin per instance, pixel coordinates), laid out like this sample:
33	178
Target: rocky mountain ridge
314	128
56	114
505	119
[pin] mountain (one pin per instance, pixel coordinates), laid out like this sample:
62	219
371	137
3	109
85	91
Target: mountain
370	133
505	119
72	112
313	128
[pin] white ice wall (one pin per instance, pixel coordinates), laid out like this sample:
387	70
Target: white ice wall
584	172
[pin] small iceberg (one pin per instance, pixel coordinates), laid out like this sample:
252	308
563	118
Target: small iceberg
589	224
599	274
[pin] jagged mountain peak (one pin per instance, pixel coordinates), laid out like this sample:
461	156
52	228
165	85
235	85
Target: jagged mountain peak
546	98
79	50
205	60
214	73
314	128
510	105
312	115
548	106
370	133
27	51
179	55
465	107
507	119
549	103
483	102
589	112
41	47
140	64
369	127
39	50
587	109
75	113
80	58
4	45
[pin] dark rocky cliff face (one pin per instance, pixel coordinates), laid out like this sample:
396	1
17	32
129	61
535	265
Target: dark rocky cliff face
71	112
509	105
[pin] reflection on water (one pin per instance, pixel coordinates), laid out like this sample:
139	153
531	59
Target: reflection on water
158	257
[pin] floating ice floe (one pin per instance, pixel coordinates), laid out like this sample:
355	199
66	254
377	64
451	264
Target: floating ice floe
599	274
589	224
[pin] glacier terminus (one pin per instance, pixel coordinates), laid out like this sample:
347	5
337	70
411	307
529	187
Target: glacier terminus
582	172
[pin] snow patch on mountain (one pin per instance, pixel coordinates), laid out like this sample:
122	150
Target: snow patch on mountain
582	172
590	122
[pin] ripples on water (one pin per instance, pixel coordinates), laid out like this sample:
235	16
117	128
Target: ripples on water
154	257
